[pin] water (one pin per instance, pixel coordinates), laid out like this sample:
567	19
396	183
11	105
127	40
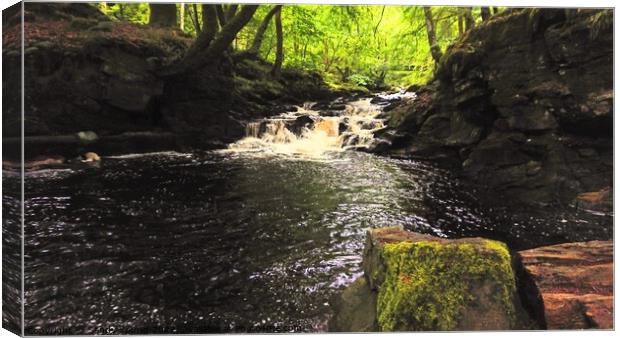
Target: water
260	237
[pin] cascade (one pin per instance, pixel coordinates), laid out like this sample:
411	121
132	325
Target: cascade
308	133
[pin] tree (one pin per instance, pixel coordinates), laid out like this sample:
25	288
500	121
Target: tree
260	32
432	38
195	19
182	15
209	25
469	18
210	47
163	15
485	13
277	65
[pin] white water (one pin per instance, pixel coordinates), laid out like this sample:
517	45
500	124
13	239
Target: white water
353	129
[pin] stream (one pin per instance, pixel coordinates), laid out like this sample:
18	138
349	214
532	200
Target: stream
259	237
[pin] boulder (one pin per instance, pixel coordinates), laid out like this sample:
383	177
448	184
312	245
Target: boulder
601	200
425	283
573	285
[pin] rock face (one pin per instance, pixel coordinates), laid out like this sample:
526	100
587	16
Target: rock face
521	104
424	283
574	283
85	72
80	78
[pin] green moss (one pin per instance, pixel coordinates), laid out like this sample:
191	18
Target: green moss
428	284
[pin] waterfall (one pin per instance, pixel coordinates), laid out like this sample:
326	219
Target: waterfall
252	129
307	133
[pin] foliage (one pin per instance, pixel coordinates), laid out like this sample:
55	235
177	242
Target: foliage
368	45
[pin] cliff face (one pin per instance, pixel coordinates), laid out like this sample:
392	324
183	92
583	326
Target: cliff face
522	105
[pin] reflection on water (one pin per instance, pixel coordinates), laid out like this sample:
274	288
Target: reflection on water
232	242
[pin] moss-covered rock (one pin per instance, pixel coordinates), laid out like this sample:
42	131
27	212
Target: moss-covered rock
427	283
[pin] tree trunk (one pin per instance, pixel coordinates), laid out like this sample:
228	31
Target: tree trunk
469	18
260	32
182	16
231	11
277	65
221	16
201	54
209	26
195	19
432	38
485	13
163	15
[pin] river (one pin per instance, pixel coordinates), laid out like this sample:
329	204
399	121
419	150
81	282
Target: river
259	237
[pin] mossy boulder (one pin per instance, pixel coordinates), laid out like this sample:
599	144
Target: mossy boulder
426	283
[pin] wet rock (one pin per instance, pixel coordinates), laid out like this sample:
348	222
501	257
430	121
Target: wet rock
332	113
573	284
339	106
428	283
300	123
356	310
91	157
601	200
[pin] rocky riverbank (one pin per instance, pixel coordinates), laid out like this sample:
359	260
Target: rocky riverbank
415	282
84	72
521	105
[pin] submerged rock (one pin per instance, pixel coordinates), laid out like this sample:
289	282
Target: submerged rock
573	285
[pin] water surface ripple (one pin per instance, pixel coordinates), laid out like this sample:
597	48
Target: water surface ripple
220	242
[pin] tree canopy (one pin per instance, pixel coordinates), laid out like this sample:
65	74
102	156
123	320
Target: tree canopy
368	45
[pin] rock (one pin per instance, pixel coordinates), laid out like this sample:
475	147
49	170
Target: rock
502	81
574	284
300	123
87	136
104	26
356	310
91	157
42	162
429	283
339	106
601	200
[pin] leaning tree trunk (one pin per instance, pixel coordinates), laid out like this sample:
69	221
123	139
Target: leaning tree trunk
221	16
231	11
432	38
204	51
485	13
163	15
469	18
277	65
260	32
